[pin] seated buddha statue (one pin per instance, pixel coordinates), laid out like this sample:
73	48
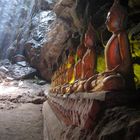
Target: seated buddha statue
60	74
78	66
119	71
56	78
69	72
88	64
53	79
70	69
89	58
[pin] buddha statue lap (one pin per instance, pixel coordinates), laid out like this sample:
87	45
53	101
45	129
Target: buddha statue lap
119	71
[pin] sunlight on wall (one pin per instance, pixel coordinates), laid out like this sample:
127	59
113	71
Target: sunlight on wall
7	90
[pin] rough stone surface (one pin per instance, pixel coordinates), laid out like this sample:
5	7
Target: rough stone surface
119	123
52	48
50	36
20	70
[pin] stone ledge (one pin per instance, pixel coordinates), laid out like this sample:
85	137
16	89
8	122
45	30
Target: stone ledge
52	126
83	109
117	123
87	116
54	129
110	98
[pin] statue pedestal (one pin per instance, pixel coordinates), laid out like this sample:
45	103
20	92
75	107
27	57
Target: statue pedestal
83	109
79	115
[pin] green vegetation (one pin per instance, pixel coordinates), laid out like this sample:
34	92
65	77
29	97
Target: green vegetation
136	53
100	63
137	74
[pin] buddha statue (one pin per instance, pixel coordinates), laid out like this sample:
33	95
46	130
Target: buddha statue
53	80
78	66
60	74
119	71
77	69
89	58
68	74
56	78
88	64
70	70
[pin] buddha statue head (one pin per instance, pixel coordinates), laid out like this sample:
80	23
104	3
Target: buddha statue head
71	54
71	59
80	50
116	17
89	36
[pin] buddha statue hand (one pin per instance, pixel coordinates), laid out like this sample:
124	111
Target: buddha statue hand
87	85
107	81
110	72
113	82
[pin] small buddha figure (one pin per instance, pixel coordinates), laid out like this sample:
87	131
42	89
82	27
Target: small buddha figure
88	64
53	81
60	75
119	71
69	72
89	58
56	78
64	83
78	66
70	66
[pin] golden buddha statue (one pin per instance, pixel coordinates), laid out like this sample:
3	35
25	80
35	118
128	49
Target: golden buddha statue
119	71
62	75
68	74
70	70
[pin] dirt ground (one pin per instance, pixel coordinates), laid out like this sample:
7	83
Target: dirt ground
22	123
21	110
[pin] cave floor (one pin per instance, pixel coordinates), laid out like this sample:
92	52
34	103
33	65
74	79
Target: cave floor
21	110
22	123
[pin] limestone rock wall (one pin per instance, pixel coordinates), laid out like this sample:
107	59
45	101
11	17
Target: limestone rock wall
51	31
